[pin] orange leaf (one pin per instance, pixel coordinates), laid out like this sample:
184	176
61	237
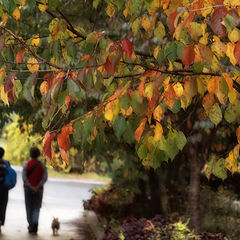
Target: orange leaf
158	132
48	151
213	84
171	21
237	51
208	101
152	102
228	80
64	155
19	56
238	134
170	95
141	87
188	55
158	113
139	130
63	138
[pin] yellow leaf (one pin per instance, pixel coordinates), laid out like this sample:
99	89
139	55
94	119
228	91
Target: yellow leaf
215	64
156	51
4	18
43	5
232	2
178	88
36	40
204	39
110	10
232	96
23	2
236	151
230	53
4	95
159	31
108	114
158	113
156	3
213	84
234	36
231	163
33	65
44	87
149	142
195	30
136	25
126	10
218	47
158	132
16	13
148	92
116	109
229	80
94	133
146	23
127	112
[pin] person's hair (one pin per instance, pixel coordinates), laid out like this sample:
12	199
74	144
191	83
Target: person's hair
1	152
34	152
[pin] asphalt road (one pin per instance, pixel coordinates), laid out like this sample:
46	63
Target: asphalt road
62	199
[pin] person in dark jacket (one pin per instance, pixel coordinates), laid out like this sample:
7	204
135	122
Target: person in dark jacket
3	190
34	176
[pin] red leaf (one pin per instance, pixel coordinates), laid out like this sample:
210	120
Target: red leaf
63	138
127	47
171	21
9	85
48	151
152	102
188	55
139	131
19	56
110	68
64	155
216	22
237	51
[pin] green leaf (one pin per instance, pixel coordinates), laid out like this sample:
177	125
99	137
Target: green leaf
71	49
230	115
119	126
177	106
128	135
125	101
210	166
87	128
159	157
77	126
172	148
52	4
171	51
180	140
142	151
72	87
17	88
96	3
220	170
29	87
215	114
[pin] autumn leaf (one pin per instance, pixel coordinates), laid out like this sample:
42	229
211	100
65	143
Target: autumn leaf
4	95
36	40
216	21
64	155
110	10
158	132
215	114
237	51
33	65
213	84
44	87
16	13
19	56
170	96
238	134
43	5
141	87
231	163
229	80
127	47
188	55
171	21
146	23
208	102
63	138
48	150
158	113
110	68
139	131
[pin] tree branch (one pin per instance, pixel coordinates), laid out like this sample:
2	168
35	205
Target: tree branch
28	48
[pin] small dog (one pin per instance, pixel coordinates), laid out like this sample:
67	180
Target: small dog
55	226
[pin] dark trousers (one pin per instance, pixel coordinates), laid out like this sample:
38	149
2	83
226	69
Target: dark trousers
33	203
3	203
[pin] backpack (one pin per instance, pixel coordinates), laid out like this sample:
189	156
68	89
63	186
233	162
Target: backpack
10	179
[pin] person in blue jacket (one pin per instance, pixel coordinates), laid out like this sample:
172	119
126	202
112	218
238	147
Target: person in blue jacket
3	190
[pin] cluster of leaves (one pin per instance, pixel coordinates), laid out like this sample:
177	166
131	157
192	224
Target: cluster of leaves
157	228
163	58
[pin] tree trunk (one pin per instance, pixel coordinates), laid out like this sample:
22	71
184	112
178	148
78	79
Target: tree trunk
194	191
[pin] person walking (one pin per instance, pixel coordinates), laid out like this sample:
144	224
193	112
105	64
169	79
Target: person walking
3	190
34	176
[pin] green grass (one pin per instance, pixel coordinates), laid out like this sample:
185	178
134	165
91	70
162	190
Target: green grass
84	176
